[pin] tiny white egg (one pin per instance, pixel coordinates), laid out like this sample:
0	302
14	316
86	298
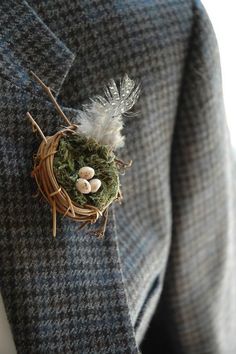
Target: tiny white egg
95	184
83	186
86	172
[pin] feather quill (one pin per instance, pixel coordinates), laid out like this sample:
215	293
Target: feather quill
102	119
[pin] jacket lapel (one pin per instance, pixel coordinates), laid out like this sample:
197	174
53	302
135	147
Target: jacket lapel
65	295
28	44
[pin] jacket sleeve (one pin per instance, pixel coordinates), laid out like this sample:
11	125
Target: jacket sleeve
198	307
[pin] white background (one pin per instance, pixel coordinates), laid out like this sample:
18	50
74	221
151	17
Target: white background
223	17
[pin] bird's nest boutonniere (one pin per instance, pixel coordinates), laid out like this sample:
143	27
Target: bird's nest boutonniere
76	169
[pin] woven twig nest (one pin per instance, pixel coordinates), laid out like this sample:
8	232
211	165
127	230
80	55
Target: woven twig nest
60	157
56	195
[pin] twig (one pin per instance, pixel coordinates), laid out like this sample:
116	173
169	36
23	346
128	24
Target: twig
123	164
34	124
49	92
101	231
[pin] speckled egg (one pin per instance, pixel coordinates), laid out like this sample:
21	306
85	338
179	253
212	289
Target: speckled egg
86	172
83	186
95	184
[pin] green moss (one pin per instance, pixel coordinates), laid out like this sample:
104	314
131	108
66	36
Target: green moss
76	151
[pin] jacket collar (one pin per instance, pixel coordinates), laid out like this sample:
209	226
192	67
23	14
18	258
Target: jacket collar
28	44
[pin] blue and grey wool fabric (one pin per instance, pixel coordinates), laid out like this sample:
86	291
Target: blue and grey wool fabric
164	275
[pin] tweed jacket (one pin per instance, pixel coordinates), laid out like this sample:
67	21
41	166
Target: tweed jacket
165	270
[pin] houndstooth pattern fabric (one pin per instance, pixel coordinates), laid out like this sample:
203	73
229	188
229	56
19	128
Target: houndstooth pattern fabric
167	261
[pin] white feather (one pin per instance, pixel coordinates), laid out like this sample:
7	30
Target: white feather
102	119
